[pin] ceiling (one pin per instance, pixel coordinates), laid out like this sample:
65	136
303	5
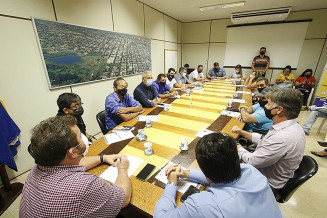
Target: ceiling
188	10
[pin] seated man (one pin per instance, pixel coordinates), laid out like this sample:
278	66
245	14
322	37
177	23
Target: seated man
161	87
279	153
216	72
70	104
316	112
234	189
120	106
181	77
145	92
171	81
197	75
59	186
254	116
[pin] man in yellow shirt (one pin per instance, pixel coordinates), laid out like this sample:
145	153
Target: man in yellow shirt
285	79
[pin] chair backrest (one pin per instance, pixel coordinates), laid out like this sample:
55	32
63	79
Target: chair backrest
308	168
102	122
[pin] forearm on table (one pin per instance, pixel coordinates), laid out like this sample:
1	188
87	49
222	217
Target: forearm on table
124	182
90	161
127	117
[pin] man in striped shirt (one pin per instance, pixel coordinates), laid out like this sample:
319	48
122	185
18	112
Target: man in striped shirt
261	62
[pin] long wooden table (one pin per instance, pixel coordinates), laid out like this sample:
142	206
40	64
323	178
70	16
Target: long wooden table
180	121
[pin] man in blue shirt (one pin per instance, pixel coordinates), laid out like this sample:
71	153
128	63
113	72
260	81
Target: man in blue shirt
231	192
145	93
120	106
216	71
161	87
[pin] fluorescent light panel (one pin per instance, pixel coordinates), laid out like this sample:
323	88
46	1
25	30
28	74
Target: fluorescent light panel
227	5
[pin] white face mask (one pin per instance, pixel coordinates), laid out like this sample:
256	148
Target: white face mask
86	142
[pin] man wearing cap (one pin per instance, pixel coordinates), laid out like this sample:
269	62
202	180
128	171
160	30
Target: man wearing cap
254	116
216	71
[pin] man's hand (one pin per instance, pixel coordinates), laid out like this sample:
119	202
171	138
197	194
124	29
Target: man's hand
110	159
123	110
122	163
142	111
237	130
178	170
239	118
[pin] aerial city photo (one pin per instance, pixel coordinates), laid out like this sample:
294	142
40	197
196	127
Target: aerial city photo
75	54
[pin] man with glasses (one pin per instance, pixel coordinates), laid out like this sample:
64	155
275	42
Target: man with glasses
71	104
120	106
279	153
59	186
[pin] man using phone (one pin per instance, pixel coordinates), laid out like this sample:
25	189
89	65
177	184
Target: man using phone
231	191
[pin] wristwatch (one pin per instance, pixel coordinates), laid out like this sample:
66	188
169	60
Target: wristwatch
101	158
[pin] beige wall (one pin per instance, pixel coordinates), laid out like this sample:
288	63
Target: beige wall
23	85
206	41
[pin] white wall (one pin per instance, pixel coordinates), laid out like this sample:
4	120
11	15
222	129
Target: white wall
23	84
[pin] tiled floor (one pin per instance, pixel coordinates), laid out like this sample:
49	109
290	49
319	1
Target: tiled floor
308	200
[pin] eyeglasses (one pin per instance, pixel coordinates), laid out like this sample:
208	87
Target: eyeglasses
76	106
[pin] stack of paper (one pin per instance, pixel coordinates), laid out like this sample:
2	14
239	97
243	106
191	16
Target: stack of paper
230	113
148	117
204	132
237	100
163	105
117	136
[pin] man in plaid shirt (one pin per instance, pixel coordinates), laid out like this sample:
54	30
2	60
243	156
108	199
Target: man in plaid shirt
58	185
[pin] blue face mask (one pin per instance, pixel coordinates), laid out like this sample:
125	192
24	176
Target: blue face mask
149	82
162	83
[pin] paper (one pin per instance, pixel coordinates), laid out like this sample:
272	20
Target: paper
182	185
176	96
243	92
148	117
230	113
237	100
117	136
163	105
204	132
123	128
197	90
239	85
111	173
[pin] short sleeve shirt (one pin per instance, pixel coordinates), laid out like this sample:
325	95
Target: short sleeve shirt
220	73
160	89
194	75
263	123
181	79
260	64
302	79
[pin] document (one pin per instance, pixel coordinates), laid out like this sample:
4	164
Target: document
237	100
243	92
163	105
148	117
117	136
230	113
182	185
197	90
239	85
204	132
111	173
174	97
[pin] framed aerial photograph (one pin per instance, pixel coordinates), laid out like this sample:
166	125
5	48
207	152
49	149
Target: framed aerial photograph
75	54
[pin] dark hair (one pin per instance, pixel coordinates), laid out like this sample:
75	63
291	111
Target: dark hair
200	66
186	65
171	69
239	66
263	78
307	70
216	64
181	69
161	75
51	139
66	99
290	99
217	157
288	67
263	48
116	81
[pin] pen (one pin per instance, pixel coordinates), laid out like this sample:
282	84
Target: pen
117	135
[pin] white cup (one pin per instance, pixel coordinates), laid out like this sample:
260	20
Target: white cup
148	148
184	144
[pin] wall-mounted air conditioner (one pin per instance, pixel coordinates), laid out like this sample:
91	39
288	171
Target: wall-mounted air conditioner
278	14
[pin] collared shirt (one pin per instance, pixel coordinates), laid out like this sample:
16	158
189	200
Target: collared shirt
143	94
220	73
80	122
112	106
279	153
260	64
263	123
194	75
161	89
181	79
248	196
68	191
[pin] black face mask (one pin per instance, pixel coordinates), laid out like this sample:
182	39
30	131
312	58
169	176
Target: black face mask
122	92
307	76
262	103
216	69
262	52
78	112
268	113
200	71
260	89
170	77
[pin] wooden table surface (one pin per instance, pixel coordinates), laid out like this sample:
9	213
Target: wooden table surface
180	121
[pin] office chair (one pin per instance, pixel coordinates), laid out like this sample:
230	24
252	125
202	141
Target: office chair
102	122
307	169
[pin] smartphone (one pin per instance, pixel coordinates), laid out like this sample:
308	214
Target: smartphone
145	172
190	191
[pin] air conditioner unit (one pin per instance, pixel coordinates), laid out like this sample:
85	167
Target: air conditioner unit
278	14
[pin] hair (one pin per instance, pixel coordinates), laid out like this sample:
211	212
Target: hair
181	69
186	65
263	48
290	99
160	76
144	73
239	66
66	99
200	66
288	67
116	81
216	64
307	70
263	79
51	139
218	159
257	75
171	69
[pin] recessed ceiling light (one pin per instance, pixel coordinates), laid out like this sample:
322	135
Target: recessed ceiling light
227	5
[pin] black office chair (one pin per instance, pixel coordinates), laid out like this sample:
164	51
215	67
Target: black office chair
307	169
102	122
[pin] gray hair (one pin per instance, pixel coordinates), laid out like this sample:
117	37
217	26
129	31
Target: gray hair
144	73
289	99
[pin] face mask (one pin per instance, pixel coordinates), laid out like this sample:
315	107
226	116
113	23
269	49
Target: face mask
170	77
162	83
216	69
200	71
122	92
268	113
262	52
86	142
307	76
237	71
262	103
78	112
260	89
149	82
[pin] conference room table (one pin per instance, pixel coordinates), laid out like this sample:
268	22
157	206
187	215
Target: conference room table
181	120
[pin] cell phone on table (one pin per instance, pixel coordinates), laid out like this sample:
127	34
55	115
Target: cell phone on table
190	191
145	172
